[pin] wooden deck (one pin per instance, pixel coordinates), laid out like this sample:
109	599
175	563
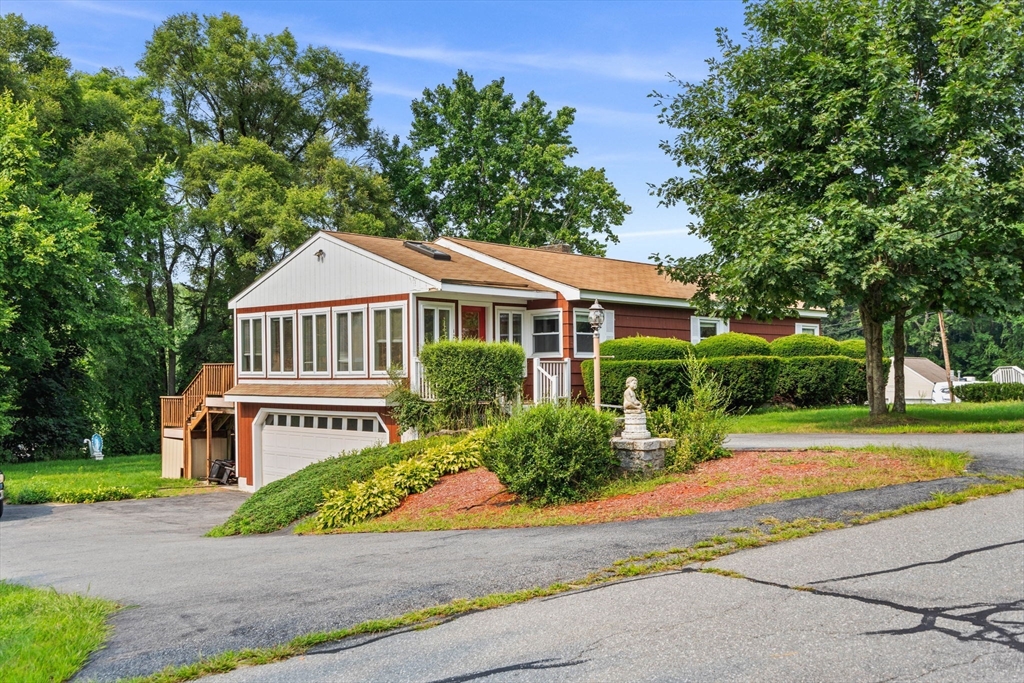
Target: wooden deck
189	411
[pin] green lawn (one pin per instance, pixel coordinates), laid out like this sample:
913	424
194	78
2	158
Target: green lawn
1003	417
88	481
47	636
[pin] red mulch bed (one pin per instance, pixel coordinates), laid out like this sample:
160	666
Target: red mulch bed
747	478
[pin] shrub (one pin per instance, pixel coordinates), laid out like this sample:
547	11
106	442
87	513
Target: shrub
732	344
981	392
855	384
749	380
552	453
804	345
409	409
698	424
286	500
659	382
815	380
389	485
466	375
853	348
646	348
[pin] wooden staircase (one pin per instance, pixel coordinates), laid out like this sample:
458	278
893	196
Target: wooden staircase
188	411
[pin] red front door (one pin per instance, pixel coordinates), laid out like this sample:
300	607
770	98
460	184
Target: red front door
474	319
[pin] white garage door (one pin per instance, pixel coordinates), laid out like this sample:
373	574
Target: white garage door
293	440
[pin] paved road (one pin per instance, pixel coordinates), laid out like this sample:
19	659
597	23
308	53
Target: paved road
993	453
935	596
193	595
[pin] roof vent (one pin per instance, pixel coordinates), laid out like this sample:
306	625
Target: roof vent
428	250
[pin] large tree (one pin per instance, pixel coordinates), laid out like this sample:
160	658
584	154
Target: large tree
479	165
857	152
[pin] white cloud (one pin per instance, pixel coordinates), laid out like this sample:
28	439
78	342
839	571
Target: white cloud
379	88
120	9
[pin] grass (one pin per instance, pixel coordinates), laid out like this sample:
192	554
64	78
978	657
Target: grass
1002	417
840	470
88	481
286	500
676	559
47	636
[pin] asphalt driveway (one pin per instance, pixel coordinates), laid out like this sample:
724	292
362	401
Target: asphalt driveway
191	596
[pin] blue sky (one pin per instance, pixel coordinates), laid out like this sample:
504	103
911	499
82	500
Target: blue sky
603	58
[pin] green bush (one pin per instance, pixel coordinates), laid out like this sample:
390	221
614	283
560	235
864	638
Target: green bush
732	344
659	382
815	380
698	424
646	348
982	392
389	485
409	409
804	345
286	500
855	384
466	375
853	348
552	453
749	380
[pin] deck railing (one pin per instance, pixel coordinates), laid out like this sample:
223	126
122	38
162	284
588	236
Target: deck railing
1008	374
418	382
172	411
551	380
214	379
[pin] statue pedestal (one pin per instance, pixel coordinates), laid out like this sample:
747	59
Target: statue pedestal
641	455
636	426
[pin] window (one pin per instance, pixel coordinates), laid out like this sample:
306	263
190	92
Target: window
584	335
704	328
314	343
281	331
546	334
388	339
436	323
321	423
349	336
807	328
251	346
510	327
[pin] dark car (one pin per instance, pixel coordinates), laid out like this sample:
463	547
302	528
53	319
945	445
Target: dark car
1	494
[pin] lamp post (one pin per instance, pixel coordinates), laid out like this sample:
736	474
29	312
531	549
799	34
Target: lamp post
596	322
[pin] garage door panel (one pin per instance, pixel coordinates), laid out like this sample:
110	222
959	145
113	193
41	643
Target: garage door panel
289	449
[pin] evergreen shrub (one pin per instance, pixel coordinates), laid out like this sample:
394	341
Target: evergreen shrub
982	392
853	348
814	380
552	453
749	380
659	382
732	344
804	345
646	348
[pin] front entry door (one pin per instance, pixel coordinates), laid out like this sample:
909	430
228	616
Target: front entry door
474	319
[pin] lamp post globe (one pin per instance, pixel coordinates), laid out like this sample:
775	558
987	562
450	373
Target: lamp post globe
596	317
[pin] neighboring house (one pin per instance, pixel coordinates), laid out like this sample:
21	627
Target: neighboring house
316	335
924	382
1008	374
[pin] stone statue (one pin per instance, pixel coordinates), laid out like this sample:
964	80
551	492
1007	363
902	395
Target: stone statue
630	403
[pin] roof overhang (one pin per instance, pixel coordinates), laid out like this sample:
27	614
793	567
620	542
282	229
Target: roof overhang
565	290
312	400
487	290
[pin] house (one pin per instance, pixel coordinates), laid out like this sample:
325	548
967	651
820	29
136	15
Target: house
316	336
924	382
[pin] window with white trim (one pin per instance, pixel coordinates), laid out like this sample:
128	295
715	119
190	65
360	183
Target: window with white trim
350	342
281	333
388	339
510	326
547	334
583	338
250	345
705	328
437	323
808	328
314	343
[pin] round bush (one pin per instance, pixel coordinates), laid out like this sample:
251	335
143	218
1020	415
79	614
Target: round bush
646	348
552	453
853	348
804	345
732	344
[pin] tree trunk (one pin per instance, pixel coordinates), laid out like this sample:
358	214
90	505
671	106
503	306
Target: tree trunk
899	350
873	362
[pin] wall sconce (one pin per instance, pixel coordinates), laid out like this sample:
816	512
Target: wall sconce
320	255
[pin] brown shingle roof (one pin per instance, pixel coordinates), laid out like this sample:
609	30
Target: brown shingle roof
459	270
592	273
926	368
339	390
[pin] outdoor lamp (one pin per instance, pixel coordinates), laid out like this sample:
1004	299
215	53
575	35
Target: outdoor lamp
596	318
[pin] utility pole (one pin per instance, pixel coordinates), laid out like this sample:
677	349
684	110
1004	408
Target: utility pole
945	357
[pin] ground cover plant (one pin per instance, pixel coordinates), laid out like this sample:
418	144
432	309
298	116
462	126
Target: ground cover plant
477	499
287	500
88	481
924	418
47	636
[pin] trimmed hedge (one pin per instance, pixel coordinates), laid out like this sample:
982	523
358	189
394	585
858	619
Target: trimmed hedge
804	345
853	348
467	373
646	348
750	380
814	380
732	344
659	382
981	392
